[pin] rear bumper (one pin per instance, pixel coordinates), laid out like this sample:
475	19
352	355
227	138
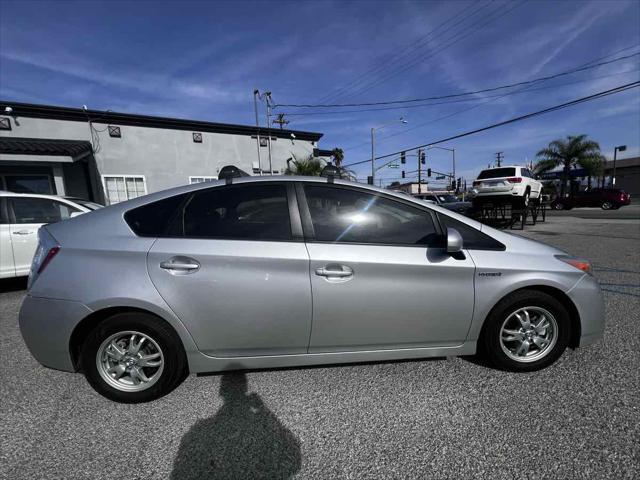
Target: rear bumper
46	326
587	297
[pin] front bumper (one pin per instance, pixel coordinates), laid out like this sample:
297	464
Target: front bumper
587	297
46	325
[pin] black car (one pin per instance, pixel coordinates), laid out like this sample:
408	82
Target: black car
448	201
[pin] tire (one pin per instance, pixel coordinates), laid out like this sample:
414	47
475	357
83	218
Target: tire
558	206
606	205
526	199
502	347
110	349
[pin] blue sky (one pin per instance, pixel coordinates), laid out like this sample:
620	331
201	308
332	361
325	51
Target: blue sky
202	60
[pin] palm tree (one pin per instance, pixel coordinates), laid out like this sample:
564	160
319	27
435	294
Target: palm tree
338	156
310	166
575	151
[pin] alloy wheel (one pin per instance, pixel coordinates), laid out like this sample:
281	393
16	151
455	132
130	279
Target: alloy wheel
130	361
528	334
606	205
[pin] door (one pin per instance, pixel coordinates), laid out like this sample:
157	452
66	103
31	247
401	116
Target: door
7	267
236	272
27	215
380	275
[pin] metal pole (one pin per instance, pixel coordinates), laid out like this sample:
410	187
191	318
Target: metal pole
255	106
419	174
615	154
373	155
268	100
453	151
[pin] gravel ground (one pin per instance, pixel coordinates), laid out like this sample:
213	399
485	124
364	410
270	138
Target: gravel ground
444	418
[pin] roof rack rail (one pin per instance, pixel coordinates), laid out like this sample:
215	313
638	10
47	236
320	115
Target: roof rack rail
229	172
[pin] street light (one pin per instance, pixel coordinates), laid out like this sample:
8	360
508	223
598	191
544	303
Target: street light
620	148
373	148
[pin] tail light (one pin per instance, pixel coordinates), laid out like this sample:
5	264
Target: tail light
48	248
48	257
514	179
578	263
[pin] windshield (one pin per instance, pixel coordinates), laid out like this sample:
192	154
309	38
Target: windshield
497	173
447	198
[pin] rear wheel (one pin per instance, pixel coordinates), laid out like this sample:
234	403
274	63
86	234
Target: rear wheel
133	357
606	205
526	331
558	206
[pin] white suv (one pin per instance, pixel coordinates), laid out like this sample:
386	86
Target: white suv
513	184
21	215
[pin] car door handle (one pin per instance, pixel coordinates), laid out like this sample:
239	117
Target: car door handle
180	265
343	273
23	232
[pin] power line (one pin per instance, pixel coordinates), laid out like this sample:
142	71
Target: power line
588	98
467	109
466	100
456	95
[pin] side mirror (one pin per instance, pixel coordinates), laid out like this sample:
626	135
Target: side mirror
75	214
454	241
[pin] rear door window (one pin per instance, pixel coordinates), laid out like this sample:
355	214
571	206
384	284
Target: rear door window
40	210
240	212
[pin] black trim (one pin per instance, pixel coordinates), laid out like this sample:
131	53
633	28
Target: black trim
297	233
29	110
5	123
305	214
4	214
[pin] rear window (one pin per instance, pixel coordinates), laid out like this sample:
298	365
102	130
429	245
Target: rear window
497	173
152	220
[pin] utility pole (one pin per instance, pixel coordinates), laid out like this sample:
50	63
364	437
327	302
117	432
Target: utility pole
419	171
499	157
267	98
256	95
281	121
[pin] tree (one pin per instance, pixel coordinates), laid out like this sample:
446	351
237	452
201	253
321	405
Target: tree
572	152
338	156
310	166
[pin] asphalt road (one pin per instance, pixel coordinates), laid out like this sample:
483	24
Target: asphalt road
627	212
443	418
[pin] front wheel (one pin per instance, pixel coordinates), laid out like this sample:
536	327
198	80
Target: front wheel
526	331
558	206
133	357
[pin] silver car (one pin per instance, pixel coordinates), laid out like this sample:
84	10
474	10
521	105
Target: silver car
274	272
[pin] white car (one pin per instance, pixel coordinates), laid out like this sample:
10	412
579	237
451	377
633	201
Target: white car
511	184
21	215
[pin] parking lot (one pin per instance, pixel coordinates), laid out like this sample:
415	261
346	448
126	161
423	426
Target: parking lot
442	418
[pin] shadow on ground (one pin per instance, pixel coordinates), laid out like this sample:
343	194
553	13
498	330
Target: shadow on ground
244	439
13	284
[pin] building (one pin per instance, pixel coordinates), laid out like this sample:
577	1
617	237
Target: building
110	157
627	175
411	188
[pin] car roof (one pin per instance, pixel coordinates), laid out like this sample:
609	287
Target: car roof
60	198
504	166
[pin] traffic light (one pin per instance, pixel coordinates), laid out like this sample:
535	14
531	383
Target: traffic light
423	158
370	180
403	157
402	173
459	183
428	172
